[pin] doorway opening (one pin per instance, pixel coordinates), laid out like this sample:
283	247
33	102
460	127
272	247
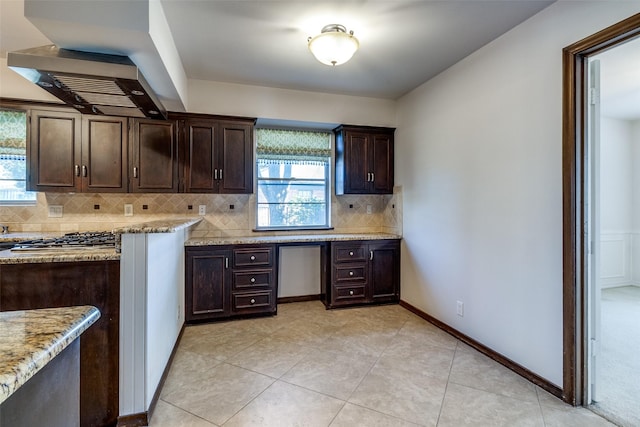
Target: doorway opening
588	253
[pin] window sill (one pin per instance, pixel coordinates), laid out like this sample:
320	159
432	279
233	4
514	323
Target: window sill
263	229
10	203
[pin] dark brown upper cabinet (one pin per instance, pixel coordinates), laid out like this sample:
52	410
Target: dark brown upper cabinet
71	153
154	155
218	155
364	160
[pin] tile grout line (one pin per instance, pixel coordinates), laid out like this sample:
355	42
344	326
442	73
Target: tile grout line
446	387
190	413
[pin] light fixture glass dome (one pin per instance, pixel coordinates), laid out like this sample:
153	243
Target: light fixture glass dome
333	46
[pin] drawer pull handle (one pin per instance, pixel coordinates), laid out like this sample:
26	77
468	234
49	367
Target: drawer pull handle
350	292
350	253
253	301
253	258
351	273
253	280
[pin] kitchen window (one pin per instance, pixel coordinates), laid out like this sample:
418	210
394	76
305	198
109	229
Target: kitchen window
293	179
13	159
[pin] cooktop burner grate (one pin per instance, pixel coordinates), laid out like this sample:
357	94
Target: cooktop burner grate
100	239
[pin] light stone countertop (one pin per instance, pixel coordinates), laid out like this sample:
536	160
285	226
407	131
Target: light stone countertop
30	339
291	238
159	226
26	235
57	255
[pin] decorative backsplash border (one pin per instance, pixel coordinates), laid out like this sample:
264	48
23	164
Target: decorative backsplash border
227	215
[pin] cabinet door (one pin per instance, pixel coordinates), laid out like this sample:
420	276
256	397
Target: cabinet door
235	159
155	157
54	152
207	284
356	163
200	145
104	154
382	163
384	275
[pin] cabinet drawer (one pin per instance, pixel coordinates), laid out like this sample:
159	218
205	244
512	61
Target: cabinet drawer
348	293
350	273
249	257
252	279
349	254
252	301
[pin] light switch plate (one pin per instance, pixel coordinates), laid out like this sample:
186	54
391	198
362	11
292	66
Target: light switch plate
128	209
55	211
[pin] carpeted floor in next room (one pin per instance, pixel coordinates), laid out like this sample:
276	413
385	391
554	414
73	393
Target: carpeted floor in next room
618	384
370	366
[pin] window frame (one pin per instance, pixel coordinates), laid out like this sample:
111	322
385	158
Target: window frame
327	187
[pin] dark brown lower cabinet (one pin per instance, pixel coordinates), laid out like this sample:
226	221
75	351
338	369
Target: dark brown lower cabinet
62	284
230	281
363	272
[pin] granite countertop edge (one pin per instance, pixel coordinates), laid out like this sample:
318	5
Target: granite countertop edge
159	226
302	238
29	257
44	333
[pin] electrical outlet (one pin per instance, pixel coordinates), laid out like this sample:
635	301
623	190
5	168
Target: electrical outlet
368	209
55	211
128	209
460	309
202	209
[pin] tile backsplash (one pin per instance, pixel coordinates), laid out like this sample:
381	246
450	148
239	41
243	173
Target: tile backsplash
227	215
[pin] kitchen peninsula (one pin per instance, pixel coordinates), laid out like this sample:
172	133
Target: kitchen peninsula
134	290
39	365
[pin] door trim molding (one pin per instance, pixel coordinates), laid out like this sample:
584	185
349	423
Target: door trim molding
574	59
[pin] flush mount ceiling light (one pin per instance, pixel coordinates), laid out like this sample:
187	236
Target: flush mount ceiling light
333	46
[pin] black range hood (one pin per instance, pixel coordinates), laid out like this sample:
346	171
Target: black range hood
92	83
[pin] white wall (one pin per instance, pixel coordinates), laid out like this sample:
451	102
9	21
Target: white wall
479	156
616	202
616	169
299	271
635	237
284	104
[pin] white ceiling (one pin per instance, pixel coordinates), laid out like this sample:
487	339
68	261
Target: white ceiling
403	42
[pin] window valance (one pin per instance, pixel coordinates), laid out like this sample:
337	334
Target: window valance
13	132
301	147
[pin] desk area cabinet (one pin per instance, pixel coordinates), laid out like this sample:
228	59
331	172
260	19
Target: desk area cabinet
364	272
237	280
230	281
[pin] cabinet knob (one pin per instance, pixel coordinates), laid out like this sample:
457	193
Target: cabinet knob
350	253
253	301
351	273
350	292
253	258
253	280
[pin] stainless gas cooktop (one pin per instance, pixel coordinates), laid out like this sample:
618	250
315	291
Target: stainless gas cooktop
99	239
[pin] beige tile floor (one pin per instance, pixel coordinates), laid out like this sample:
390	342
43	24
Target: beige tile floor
372	366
